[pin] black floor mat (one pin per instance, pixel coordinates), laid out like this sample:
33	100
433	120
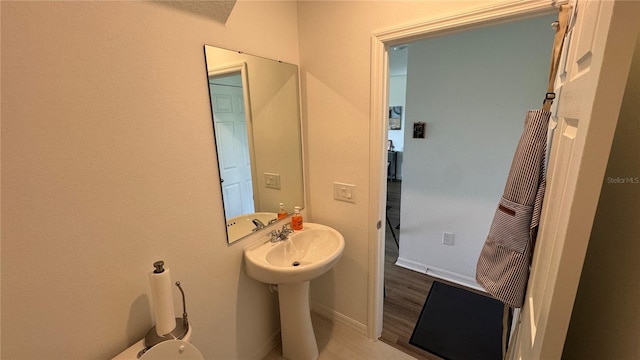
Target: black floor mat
457	324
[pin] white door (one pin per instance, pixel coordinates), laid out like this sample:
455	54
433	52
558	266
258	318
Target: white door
232	144
590	85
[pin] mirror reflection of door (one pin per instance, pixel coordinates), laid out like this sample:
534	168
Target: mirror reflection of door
232	143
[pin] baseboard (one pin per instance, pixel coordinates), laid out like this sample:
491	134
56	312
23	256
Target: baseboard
271	343
339	318
411	265
439	273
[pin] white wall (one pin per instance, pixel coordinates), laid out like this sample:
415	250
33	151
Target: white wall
472	89
605	323
108	164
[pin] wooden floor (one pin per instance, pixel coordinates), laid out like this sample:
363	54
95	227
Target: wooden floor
405	290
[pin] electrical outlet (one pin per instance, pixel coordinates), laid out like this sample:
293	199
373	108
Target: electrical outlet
448	238
272	181
344	192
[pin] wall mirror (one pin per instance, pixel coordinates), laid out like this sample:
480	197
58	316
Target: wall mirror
255	109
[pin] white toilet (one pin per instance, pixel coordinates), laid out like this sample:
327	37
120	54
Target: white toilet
166	350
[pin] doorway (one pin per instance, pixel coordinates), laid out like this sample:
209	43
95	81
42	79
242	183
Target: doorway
553	284
412	224
405	290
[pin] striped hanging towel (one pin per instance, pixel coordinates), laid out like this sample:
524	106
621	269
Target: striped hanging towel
503	266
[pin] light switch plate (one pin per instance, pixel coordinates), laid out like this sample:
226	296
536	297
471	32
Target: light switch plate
272	181
344	192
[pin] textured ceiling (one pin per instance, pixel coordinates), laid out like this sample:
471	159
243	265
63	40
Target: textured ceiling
218	10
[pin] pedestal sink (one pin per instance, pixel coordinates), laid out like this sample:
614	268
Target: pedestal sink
291	264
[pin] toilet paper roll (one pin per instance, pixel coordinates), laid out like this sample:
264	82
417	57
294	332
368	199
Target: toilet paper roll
161	294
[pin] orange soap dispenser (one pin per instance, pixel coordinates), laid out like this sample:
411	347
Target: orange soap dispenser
282	213
296	219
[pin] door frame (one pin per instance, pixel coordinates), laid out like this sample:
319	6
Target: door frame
381	41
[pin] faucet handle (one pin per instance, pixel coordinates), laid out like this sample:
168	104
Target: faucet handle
286	230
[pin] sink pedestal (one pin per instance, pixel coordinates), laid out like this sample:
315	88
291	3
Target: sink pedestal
298	338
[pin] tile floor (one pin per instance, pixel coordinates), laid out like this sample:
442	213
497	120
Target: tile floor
338	342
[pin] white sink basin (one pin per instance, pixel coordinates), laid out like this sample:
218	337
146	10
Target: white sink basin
307	254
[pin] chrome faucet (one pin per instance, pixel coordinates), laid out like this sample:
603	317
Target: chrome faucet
259	224
280	235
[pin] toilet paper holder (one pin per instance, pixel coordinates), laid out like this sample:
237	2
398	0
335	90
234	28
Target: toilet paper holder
182	327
